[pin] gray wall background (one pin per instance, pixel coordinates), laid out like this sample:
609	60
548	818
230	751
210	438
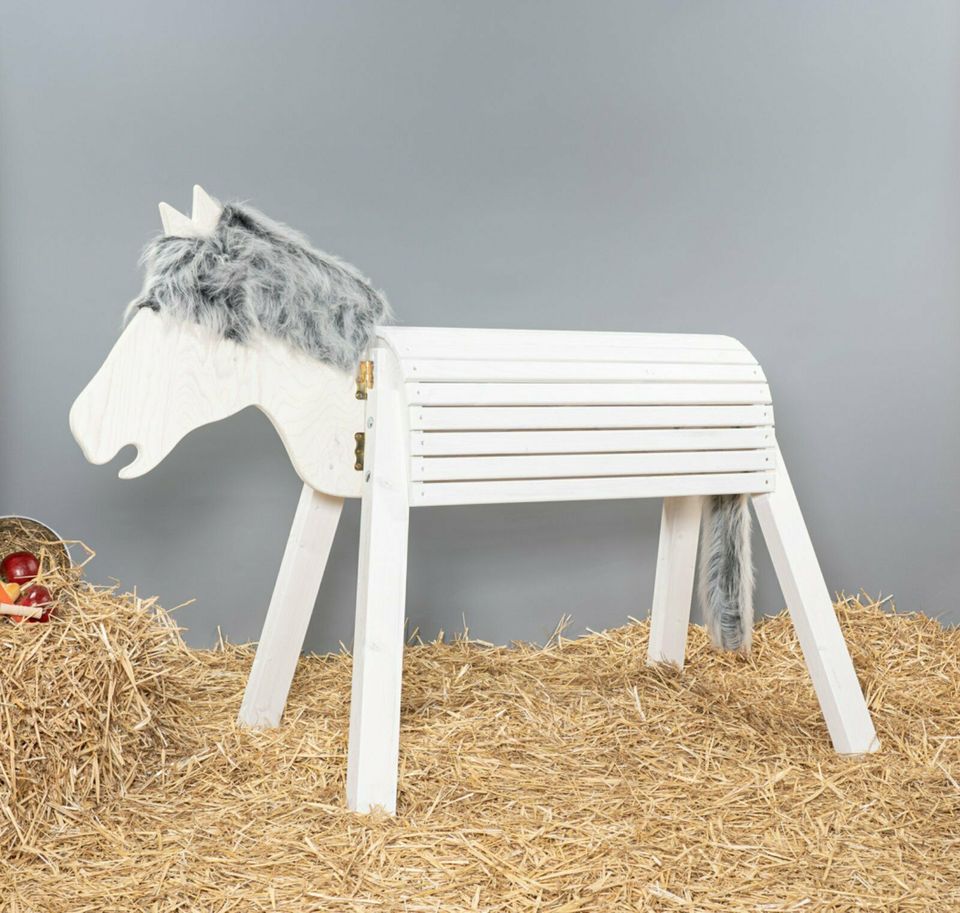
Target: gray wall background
786	173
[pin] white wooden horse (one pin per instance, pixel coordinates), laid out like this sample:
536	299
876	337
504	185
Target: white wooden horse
454	416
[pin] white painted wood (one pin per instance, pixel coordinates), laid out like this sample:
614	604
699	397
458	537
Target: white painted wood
201	222
521	370
586	394
175	223
514	491
450	342
591	351
206	210
508	418
476	443
811	609
165	377
381	595
291	606
673	587
566	465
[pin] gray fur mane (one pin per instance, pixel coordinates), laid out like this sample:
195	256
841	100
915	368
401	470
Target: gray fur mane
254	274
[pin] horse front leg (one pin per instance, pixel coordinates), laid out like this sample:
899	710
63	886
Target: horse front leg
291	606
381	596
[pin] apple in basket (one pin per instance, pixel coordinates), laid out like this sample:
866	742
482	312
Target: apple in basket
34	597
20	567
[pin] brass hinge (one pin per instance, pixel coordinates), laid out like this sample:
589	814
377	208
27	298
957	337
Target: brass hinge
364	379
360	438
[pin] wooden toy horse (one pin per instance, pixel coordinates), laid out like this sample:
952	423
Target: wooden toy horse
454	416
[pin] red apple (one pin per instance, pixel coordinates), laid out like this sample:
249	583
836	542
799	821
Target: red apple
35	595
20	567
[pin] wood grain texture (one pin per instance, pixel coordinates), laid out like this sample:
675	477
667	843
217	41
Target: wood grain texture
165	378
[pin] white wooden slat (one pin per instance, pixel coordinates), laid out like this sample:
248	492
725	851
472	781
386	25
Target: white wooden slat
506	418
588	350
476	443
413	339
535	394
458	342
513	491
658	364
569	465
519	371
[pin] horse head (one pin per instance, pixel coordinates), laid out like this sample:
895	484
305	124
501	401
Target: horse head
197	349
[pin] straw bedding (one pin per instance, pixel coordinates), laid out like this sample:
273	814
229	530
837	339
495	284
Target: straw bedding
564	778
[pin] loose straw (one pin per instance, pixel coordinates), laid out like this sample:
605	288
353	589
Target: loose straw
567	778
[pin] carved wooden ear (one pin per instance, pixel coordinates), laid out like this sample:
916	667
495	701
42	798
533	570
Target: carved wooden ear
176	223
206	211
202	221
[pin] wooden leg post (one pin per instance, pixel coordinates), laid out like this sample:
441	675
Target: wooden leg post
808	600
673	587
381	596
291	606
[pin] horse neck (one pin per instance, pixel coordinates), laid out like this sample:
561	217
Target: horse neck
314	408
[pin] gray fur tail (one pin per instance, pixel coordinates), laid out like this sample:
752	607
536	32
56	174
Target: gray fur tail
726	572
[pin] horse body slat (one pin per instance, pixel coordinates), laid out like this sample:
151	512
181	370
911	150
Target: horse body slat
520	491
576	345
521	370
616	440
599	465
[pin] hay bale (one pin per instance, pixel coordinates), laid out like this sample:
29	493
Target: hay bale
87	700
